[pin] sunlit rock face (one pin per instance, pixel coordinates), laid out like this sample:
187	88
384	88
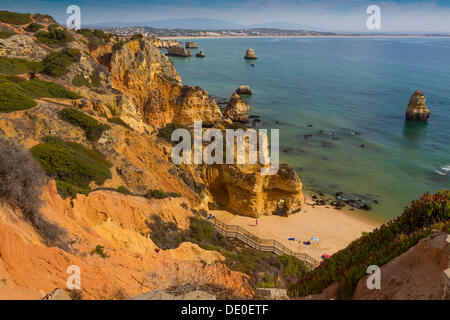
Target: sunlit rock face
417	111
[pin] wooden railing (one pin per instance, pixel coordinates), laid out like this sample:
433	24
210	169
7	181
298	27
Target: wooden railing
254	242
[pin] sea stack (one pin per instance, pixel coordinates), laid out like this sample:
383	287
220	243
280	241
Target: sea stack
200	54
190	45
244	89
250	54
178	52
417	111
237	109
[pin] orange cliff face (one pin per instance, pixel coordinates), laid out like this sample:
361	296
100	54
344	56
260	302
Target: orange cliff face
28	268
141	71
139	85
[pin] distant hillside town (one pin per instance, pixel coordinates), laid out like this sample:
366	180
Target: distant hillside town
148	32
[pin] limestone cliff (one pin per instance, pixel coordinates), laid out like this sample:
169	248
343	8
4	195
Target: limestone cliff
243	190
142	72
139	85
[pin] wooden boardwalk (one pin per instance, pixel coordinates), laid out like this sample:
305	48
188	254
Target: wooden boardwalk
238	233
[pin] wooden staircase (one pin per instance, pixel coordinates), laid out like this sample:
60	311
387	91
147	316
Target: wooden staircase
250	240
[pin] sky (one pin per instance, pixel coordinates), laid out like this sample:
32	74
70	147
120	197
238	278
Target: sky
327	15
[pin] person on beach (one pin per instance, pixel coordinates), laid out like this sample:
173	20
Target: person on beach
256	224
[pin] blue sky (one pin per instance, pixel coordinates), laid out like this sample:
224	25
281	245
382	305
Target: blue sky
334	15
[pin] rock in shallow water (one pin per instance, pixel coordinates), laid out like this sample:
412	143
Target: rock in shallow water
244	89
250	54
417	111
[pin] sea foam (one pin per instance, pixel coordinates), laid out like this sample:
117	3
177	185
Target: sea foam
444	171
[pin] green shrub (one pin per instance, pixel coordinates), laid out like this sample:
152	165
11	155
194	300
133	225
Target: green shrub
118	45
92	81
79	81
95	80
379	247
44	89
34	27
123	190
293	268
119	122
19	66
14	98
66	190
166	132
137	36
6	34
85	32
159	194
55	35
72	165
100	251
237	125
56	63
91	127
14	17
101	34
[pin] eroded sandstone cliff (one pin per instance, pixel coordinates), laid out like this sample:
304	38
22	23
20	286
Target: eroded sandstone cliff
138	85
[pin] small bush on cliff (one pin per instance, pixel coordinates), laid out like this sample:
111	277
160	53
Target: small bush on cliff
45	89
99	249
91	127
159	194
67	190
14	98
34	27
118	45
123	190
72	165
79	81
55	35
379	247
14	17
56	63
85	32
119	121
18	66
21	185
6	34
137	36
166	131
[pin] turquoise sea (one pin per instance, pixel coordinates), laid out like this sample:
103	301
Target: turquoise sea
353	91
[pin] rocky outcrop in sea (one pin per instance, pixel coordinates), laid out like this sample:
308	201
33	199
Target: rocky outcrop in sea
250	54
417	111
190	45
237	109
178	52
244	89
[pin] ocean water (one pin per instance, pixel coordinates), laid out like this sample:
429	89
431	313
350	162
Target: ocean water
345	92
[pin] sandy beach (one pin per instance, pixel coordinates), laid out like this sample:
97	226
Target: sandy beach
335	229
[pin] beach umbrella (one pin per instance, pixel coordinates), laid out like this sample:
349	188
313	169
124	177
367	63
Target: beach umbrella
315	239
